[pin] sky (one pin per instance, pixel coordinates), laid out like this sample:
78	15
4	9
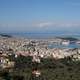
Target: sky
40	16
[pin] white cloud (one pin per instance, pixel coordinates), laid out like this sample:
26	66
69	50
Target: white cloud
57	24
42	26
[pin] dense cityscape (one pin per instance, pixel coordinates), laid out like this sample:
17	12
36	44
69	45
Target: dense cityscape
29	59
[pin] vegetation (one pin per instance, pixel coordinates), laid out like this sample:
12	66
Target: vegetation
51	69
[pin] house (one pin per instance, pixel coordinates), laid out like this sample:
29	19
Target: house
65	42
6	63
37	73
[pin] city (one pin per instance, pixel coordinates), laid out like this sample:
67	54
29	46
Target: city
15	52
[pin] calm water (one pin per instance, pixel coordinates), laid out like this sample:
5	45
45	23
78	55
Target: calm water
64	46
43	35
47	36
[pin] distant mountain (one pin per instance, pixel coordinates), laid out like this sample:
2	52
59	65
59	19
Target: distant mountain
68	38
6	35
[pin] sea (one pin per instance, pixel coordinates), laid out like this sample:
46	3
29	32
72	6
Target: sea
49	36
43	35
